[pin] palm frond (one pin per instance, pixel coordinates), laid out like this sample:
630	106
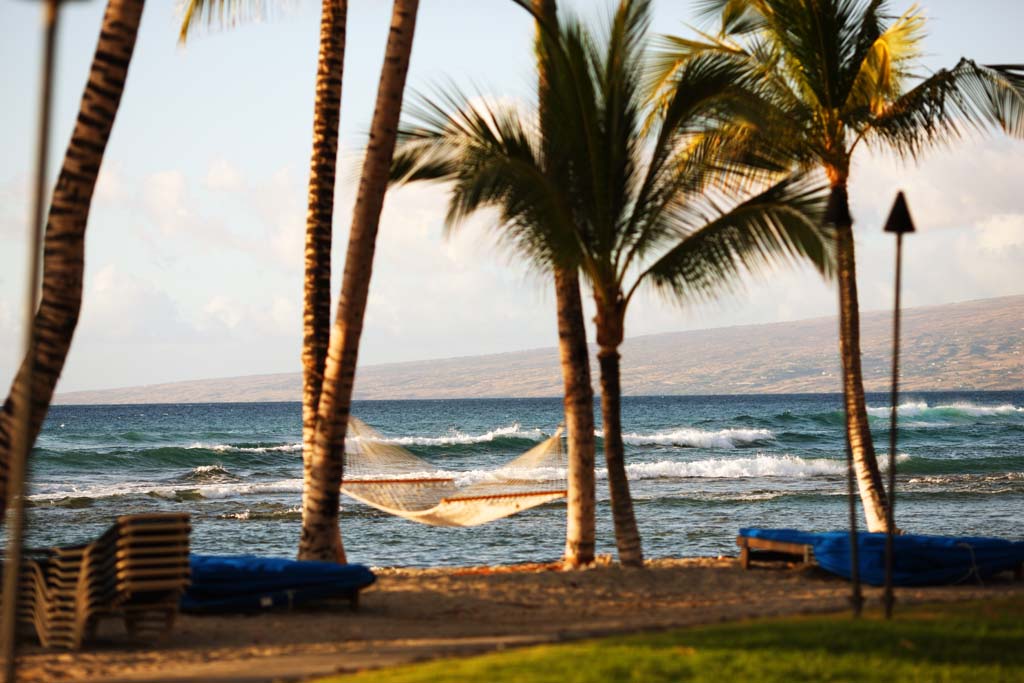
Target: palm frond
491	158
737	17
220	13
778	226
941	108
882	72
666	64
706	134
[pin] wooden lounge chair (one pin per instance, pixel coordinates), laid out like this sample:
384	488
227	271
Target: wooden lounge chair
765	549
137	570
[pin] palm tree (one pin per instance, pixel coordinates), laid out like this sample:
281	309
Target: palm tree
575	360
320	206
590	187
316	315
839	73
321	536
64	245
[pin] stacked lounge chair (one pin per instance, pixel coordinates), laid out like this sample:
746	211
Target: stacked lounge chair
137	570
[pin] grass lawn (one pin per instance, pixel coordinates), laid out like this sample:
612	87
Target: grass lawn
973	641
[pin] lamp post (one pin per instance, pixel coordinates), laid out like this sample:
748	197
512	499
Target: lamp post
15	521
900	223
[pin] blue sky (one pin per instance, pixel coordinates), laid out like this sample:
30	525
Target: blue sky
194	248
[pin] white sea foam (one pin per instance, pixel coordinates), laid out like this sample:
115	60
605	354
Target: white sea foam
786	466
457	438
206	469
921	409
228	448
211	490
247	514
698	438
757	466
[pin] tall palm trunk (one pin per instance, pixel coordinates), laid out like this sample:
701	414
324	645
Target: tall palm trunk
610	319
64	245
579	393
869	479
321	536
316	316
579	420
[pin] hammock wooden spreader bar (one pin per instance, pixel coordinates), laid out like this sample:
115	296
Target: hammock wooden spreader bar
389	478
419	480
507	495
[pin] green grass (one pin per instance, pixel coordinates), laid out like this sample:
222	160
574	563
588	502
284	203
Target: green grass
975	641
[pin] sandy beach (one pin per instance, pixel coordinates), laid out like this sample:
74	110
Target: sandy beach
413	615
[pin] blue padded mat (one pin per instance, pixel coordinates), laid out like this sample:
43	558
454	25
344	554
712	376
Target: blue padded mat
241	583
917	560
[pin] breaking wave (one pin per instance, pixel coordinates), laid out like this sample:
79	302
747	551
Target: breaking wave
960	409
458	438
698	438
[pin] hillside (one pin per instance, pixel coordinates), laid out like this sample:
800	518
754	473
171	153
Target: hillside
972	345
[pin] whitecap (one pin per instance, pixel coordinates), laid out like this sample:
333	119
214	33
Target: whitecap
457	438
228	448
698	438
921	410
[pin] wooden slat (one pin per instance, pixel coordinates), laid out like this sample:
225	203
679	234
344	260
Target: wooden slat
493	496
424	480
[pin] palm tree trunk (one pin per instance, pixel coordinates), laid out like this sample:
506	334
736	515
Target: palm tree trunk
609	336
858	433
579	420
321	536
579	393
316	316
64	245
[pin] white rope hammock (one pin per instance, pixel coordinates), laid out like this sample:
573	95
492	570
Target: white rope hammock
390	478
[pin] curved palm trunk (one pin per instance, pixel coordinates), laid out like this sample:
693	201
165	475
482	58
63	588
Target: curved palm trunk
64	245
609	337
316	316
579	420
869	479
321	536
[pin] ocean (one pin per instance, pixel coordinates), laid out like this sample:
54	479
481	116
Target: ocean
700	467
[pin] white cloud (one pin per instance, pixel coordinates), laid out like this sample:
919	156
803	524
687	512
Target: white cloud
224	314
1004	231
110	185
957	187
223	176
165	196
119	307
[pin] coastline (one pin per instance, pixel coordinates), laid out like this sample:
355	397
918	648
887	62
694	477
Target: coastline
420	614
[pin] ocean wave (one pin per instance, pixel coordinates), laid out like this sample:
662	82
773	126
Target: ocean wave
699	438
733	468
246	448
960	409
247	515
458	438
188	492
985	484
209	473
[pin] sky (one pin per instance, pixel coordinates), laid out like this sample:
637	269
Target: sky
194	248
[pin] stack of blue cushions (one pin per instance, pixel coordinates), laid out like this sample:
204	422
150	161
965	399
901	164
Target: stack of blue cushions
242	583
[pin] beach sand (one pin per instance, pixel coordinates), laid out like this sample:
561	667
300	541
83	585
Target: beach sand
418	614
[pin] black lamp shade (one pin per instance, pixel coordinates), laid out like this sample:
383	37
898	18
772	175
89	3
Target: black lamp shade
899	220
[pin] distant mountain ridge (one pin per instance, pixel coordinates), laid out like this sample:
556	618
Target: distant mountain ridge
975	345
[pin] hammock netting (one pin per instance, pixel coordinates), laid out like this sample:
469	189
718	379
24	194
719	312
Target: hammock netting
388	477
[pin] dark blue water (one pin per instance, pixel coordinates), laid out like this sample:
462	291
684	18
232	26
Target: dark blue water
701	467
